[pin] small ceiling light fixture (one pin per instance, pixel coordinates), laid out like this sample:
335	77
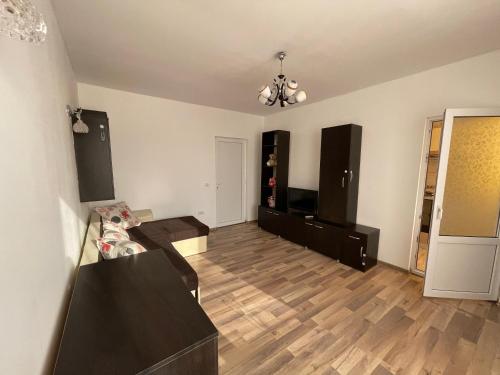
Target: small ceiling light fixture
283	90
76	121
21	20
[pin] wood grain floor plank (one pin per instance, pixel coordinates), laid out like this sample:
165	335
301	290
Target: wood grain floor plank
283	309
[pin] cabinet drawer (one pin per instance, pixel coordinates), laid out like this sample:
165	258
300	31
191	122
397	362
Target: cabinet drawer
271	220
323	238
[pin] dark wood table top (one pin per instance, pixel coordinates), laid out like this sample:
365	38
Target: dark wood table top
130	315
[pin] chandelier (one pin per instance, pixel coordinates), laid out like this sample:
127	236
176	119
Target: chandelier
283	90
20	19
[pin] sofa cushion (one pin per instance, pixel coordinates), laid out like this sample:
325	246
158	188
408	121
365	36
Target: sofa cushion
172	230
187	273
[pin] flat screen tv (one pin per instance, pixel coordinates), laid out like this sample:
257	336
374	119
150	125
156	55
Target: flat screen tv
302	200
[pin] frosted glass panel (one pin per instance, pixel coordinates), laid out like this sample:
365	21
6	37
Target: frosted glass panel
471	200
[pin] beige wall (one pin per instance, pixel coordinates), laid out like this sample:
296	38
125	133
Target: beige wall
164	151
393	116
42	219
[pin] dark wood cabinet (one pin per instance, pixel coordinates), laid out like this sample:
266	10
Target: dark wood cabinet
93	158
323	238
339	174
276	142
295	229
354	245
333	232
270	220
360	247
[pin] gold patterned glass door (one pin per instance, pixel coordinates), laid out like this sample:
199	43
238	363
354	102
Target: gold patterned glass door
463	259
471	201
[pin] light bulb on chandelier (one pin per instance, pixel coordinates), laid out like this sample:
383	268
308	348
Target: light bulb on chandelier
282	90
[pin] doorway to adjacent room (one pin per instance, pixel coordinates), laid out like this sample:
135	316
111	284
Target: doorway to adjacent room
427	189
230	171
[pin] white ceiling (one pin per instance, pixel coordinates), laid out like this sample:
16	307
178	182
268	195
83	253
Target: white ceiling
219	52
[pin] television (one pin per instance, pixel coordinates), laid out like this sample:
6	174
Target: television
302	201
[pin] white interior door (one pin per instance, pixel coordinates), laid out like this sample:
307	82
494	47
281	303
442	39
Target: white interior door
464	255
230	177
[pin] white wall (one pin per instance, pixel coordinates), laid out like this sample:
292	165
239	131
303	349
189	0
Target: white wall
42	219
393	116
164	151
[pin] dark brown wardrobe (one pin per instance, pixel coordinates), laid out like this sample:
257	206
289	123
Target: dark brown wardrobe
339	174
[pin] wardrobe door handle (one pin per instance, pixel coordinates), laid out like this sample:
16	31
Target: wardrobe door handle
343	181
350	176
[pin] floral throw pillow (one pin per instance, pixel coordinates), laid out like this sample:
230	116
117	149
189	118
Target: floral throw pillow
111	249
113	230
120	214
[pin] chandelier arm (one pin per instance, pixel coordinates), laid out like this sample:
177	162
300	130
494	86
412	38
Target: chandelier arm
283	97
275	98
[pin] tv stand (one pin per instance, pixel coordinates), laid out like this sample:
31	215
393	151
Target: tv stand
354	245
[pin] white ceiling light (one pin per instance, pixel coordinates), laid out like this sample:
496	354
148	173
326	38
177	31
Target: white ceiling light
282	90
20	19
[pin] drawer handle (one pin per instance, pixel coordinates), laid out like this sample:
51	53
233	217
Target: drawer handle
318	226
276	214
354	237
309	224
361	252
269	212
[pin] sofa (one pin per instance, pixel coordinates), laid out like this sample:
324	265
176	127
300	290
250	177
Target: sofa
176	237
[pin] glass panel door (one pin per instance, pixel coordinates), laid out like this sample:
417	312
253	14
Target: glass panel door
471	201
463	250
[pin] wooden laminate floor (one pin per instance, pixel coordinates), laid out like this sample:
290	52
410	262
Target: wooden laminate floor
282	309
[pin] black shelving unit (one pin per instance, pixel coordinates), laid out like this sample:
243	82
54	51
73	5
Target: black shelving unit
275	142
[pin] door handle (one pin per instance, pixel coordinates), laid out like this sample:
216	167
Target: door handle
354	238
103	133
361	252
343	181
350	176
439	213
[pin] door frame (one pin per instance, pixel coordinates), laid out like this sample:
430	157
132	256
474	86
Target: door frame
493	293
244	143
419	203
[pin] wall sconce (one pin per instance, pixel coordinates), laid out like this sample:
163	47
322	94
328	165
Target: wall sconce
20	19
78	125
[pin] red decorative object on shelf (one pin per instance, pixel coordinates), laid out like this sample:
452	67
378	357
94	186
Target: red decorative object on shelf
272	182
